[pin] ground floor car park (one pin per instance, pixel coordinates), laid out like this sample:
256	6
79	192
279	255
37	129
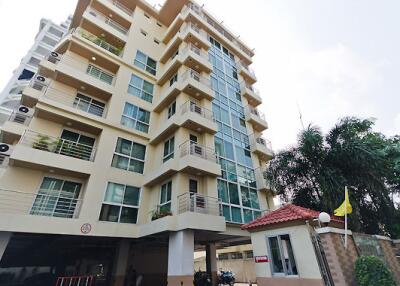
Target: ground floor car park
162	259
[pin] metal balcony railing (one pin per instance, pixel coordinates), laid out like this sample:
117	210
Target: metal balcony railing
195	149
255	112
98	41
58	145
43	203
100	74
122	7
247	68
190	106
107	20
197	203
20	118
218	27
197	77
88	106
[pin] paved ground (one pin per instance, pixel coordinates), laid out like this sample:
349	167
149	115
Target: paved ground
244	284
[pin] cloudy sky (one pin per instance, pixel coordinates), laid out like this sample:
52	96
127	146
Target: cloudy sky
328	58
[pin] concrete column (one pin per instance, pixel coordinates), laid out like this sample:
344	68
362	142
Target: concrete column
211	262
121	262
180	258
4	240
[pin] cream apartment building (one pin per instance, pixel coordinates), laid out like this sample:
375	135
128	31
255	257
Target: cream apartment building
143	144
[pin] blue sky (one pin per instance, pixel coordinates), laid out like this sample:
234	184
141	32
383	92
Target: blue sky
329	58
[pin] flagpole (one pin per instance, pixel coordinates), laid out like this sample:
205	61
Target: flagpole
345	217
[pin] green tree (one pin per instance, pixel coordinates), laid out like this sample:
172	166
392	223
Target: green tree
314	172
370	270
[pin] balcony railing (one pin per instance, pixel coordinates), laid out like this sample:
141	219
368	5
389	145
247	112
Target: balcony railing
42	203
192	26
197	77
190	106
195	149
76	102
244	85
197	203
217	26
20	118
265	142
247	68
108	21
256	112
98	41
58	145
122	7
100	74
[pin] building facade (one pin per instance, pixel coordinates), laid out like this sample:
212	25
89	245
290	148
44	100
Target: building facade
48	36
139	135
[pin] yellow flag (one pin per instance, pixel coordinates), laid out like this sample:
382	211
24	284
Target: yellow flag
345	207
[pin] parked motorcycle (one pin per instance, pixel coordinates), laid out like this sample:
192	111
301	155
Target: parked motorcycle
226	278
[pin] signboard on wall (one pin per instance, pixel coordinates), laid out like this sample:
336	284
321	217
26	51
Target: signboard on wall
261	259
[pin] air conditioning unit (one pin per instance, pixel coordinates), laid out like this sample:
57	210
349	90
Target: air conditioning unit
22	109
5	149
54	57
39	82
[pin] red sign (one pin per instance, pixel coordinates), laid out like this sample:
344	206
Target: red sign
261	259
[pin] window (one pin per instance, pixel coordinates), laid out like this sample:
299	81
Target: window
129	156
121	203
147	16
26	74
156	41
57	198
249	254
171	109
89	105
141	88
159	24
223	256
42	51
144	33
165	197
173	79
236	255
145	63
98	73
136	118
281	253
55	32
33	62
49	41
169	147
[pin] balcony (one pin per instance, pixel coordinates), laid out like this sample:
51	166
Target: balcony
15	126
214	27
256	118
111	26
198	159
261	179
193	159
196	85
251	94
262	147
191	56
76	102
192	116
121	7
190	82
40	204
246	72
189	33
197	203
99	41
58	146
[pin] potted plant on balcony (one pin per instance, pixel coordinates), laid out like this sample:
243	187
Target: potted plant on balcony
160	214
42	143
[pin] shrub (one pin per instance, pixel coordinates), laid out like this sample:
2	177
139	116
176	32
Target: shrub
370	270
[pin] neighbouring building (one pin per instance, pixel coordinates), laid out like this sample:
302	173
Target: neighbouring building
141	143
292	248
46	39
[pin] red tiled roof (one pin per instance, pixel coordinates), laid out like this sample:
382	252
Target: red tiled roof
286	213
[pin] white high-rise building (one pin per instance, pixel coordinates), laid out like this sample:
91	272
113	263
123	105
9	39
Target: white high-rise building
48	36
